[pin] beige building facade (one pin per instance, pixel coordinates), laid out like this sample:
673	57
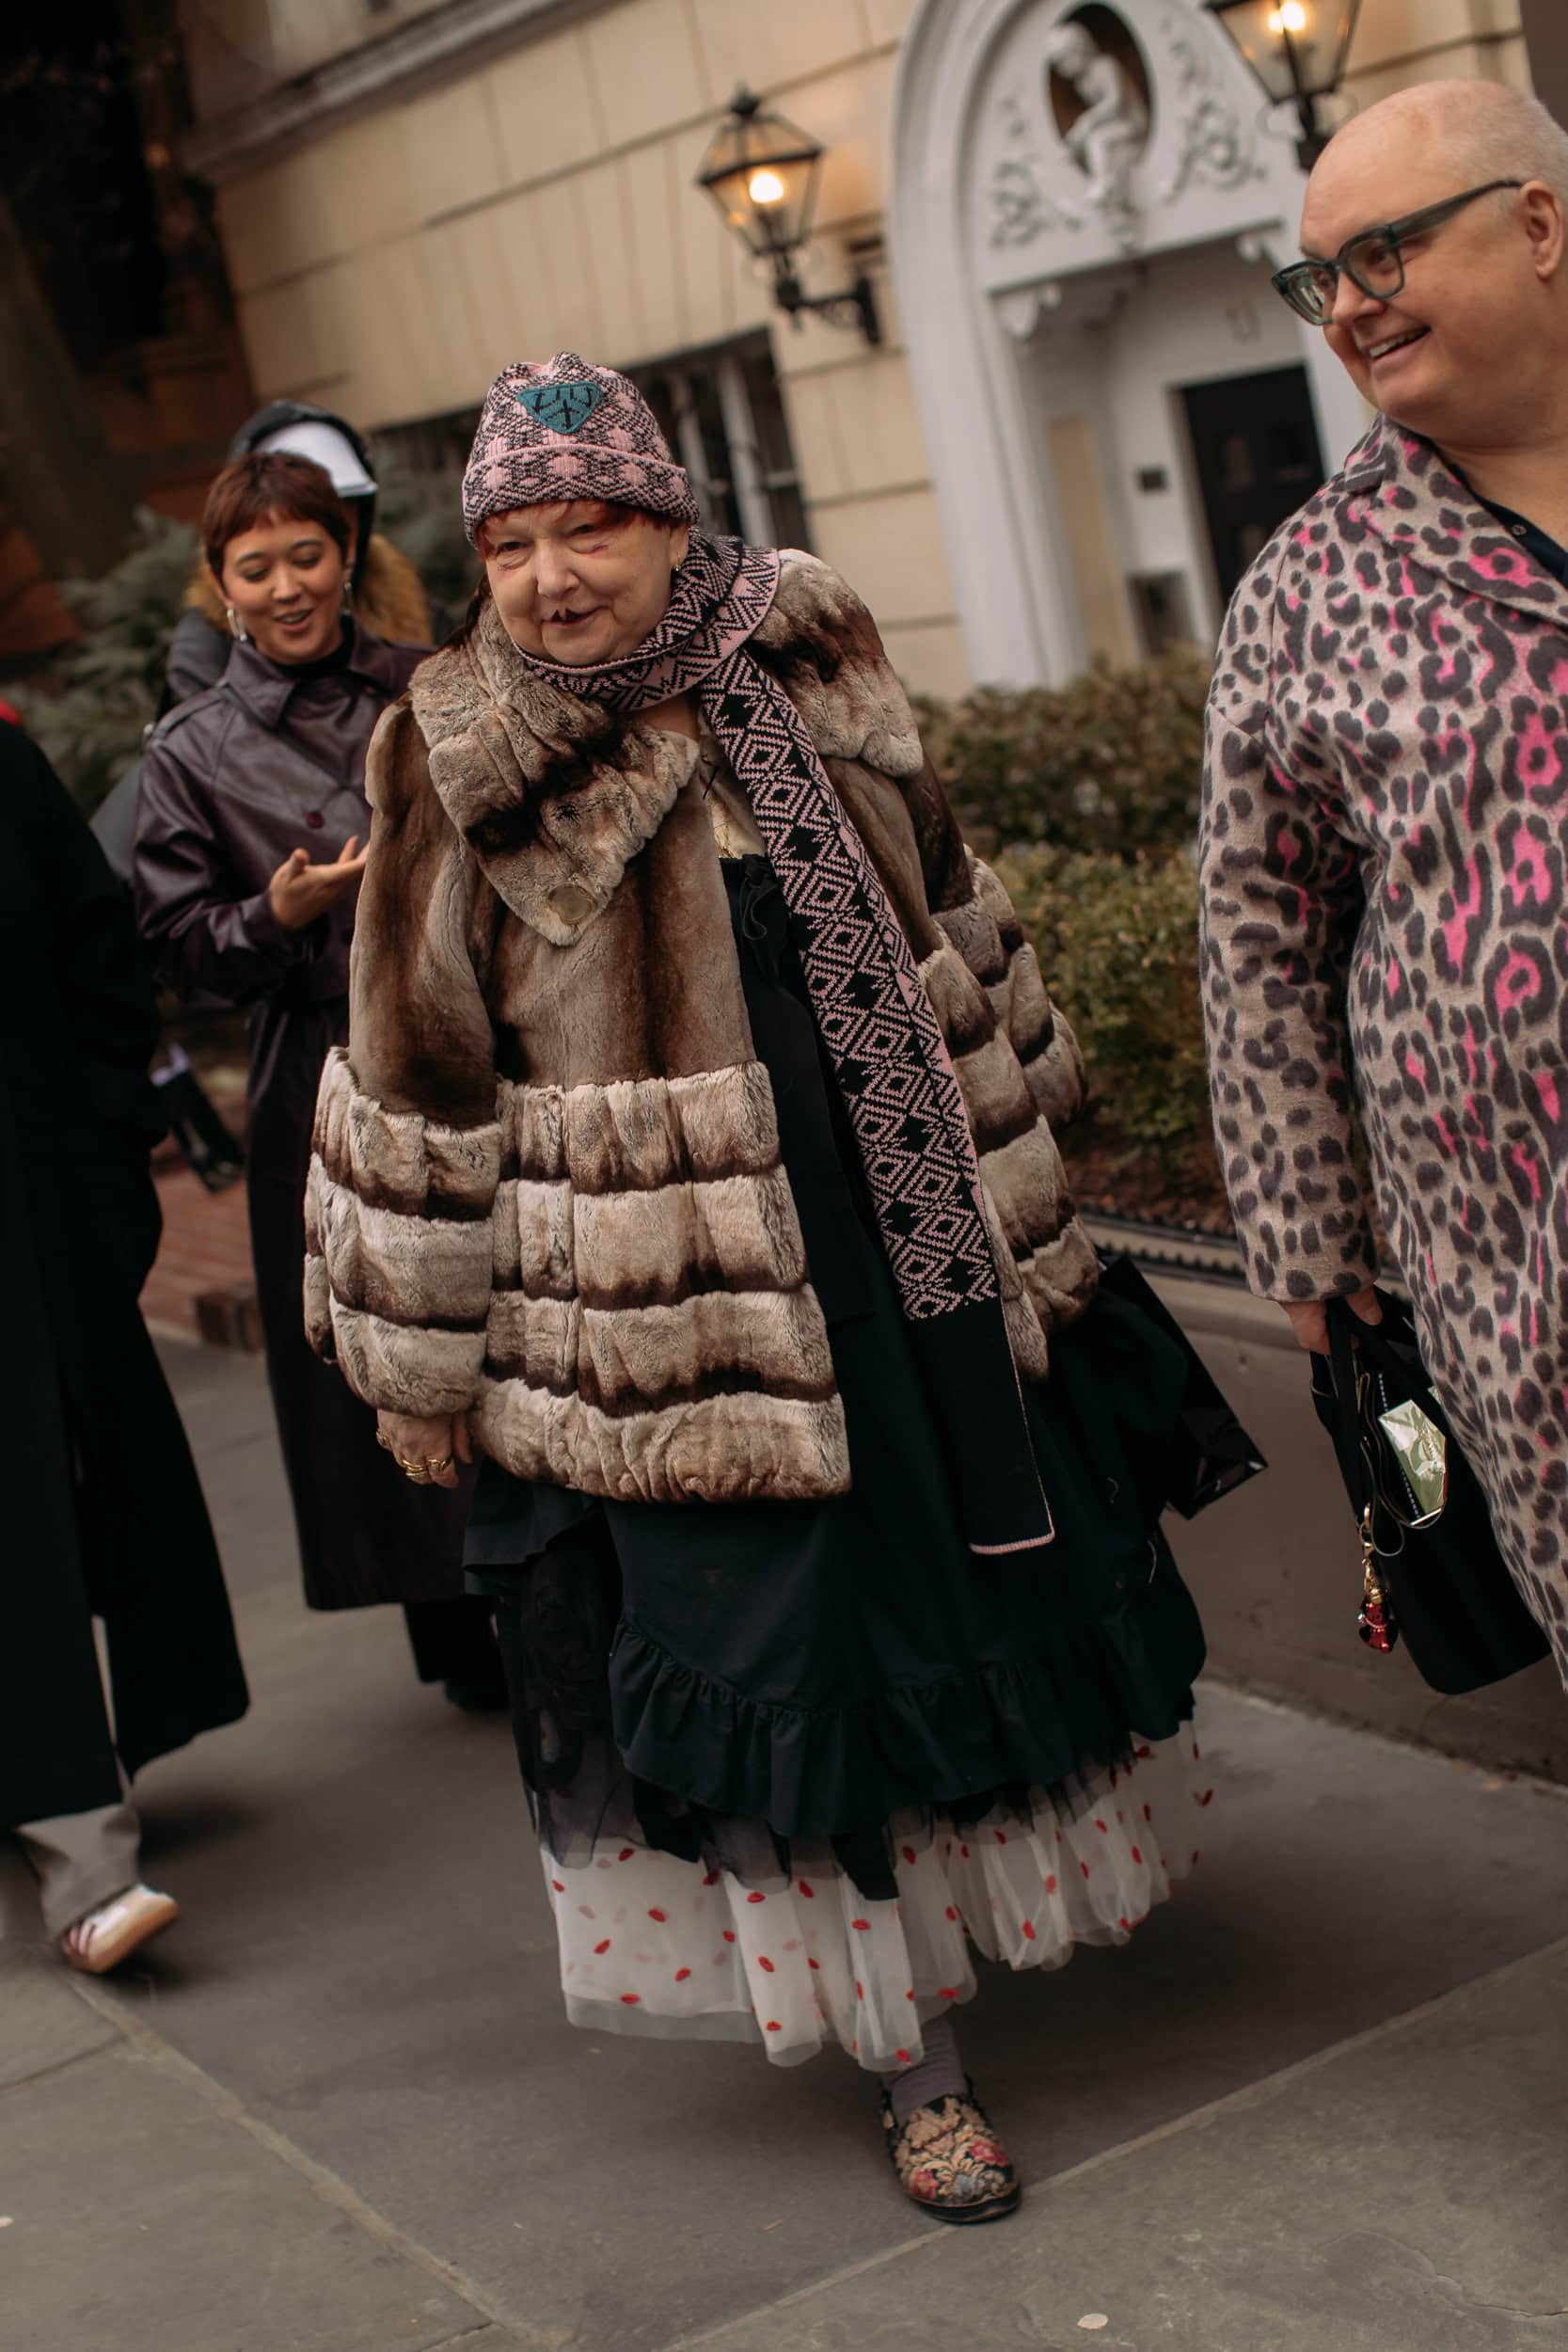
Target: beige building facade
1087	402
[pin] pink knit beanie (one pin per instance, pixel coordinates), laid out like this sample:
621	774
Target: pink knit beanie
569	430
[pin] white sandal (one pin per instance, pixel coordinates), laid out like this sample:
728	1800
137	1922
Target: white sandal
100	1939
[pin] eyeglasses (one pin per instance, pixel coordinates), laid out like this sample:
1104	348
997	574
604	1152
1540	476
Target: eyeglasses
1372	260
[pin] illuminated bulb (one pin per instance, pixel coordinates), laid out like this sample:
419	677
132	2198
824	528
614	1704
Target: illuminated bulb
766	188
1289	16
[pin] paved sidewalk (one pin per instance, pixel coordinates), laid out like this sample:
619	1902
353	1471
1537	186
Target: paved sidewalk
1320	2104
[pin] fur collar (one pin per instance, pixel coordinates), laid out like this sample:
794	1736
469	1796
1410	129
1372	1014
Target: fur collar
556	796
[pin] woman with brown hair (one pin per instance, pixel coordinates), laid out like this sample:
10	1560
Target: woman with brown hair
249	864
691	1160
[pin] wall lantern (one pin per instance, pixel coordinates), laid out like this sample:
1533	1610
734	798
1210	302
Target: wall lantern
1297	49
762	173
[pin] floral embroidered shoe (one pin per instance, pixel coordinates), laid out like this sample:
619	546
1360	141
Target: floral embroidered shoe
949	2161
102	1938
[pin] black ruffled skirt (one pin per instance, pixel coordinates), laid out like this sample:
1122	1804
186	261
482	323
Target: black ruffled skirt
833	1716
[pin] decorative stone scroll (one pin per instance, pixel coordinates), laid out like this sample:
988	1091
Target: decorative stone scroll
1214	146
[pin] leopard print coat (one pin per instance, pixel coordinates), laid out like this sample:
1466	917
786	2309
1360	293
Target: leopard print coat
1384	925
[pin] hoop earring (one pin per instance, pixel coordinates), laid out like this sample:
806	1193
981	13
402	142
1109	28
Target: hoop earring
237	628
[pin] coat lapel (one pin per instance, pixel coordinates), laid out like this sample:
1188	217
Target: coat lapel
1411	500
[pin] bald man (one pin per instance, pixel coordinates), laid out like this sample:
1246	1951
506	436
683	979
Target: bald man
1384	918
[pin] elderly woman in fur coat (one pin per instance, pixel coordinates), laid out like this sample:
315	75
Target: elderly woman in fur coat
691	1161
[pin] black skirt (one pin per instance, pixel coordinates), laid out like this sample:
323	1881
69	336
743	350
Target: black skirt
721	1681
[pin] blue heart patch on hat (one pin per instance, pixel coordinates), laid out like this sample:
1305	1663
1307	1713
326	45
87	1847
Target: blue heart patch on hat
563	407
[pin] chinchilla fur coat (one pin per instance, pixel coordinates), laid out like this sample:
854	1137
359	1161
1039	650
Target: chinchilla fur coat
547	1189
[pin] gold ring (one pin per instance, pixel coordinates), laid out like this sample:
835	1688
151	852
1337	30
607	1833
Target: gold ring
436	1463
383	1440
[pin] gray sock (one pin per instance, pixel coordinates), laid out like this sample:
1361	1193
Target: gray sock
941	2072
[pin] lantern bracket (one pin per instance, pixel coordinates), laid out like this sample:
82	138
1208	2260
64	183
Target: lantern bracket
761	171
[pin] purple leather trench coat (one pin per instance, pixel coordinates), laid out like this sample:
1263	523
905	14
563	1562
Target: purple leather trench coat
267	760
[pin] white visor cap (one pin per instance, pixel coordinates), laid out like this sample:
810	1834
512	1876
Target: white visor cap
324	446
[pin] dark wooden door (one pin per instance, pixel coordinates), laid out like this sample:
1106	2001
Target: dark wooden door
1255	445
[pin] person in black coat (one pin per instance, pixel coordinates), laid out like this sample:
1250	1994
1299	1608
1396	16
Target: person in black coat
248	866
99	1501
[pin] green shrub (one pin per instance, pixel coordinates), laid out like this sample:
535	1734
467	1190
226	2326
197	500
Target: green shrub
99	692
1111	762
1117	943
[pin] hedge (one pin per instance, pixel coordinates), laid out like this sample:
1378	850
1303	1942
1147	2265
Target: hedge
89	706
1111	762
1117	943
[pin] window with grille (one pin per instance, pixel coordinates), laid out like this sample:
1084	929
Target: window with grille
722	414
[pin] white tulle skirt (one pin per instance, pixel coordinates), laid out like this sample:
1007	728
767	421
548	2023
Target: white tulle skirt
653	1945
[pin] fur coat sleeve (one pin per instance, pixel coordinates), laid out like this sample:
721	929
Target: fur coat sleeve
407	1154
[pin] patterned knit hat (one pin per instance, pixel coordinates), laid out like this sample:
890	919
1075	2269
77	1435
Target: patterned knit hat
569	430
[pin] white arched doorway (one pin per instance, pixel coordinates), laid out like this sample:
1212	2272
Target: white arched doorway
1087	205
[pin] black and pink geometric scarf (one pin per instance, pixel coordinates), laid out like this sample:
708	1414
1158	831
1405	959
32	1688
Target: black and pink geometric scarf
871	1008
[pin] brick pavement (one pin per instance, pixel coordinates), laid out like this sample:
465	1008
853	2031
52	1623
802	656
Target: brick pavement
205	1255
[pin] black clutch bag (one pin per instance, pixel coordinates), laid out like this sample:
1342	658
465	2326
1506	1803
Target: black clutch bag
1431	1572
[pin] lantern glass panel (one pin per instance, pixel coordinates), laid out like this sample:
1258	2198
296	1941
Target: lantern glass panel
1296	48
761	173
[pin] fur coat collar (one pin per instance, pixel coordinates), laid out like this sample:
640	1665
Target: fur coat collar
556	795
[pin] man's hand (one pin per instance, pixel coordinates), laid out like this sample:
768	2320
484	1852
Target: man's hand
411	1440
1311	1323
298	892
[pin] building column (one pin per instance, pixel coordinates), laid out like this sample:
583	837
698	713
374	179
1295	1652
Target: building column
1545	23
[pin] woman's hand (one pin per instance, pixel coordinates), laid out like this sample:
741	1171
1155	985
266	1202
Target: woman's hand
1309	1320
299	892
412	1440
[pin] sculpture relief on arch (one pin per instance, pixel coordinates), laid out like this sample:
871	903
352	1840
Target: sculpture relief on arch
1106	128
1101	115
